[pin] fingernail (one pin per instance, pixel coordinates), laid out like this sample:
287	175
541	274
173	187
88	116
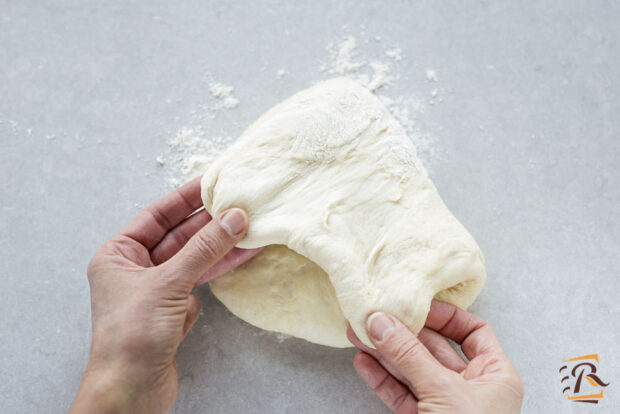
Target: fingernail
379	326
233	221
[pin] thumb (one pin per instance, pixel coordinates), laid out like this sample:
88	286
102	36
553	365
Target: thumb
208	246
405	353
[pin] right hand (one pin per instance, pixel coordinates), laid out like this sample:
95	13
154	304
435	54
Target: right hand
424	374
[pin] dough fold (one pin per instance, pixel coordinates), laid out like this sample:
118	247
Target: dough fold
330	179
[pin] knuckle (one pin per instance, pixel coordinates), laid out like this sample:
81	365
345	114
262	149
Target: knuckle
167	278
398	400
382	383
194	305
209	244
406	408
406	349
91	270
442	379
94	266
178	239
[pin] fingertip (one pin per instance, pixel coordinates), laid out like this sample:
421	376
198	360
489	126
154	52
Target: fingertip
351	335
364	365
357	358
235	221
354	339
365	360
379	326
370	370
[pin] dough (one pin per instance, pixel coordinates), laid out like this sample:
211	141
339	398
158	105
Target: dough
329	174
283	291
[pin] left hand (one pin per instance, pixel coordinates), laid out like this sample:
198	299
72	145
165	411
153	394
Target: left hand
142	306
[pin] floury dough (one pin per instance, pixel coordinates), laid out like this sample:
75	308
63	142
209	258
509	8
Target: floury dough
353	223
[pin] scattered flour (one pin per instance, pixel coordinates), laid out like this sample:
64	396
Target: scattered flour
375	75
431	75
278	336
189	154
225	93
191	150
231	102
377	79
345	53
396	54
372	74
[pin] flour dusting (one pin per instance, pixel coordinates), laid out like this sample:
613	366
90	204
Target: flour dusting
431	75
345	53
377	74
190	152
225	93
345	60
193	148
396	54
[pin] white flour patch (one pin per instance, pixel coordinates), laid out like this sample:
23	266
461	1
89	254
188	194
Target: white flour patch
431	75
189	154
343	56
396	54
192	148
377	79
224	93
377	74
345	60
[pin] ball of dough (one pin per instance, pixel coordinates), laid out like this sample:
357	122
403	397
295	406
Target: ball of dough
333	185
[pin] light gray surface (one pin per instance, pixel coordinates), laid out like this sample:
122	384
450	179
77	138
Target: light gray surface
102	86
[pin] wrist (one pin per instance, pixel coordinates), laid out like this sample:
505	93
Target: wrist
105	391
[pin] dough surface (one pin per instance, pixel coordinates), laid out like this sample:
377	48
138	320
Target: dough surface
331	179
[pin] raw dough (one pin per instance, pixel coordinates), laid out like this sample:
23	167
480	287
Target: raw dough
283	291
331	175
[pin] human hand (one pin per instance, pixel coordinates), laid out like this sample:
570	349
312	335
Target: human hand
424	374
142	306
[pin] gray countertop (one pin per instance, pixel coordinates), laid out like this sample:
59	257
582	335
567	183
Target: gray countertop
525	151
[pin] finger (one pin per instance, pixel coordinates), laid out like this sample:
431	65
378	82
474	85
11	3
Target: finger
440	348
152	223
437	345
176	238
193	312
234	258
376	355
404	351
206	248
180	235
473	334
393	394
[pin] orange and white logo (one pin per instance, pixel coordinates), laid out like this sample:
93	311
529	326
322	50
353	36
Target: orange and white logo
580	381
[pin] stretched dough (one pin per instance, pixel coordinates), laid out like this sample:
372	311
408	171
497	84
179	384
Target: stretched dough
329	174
